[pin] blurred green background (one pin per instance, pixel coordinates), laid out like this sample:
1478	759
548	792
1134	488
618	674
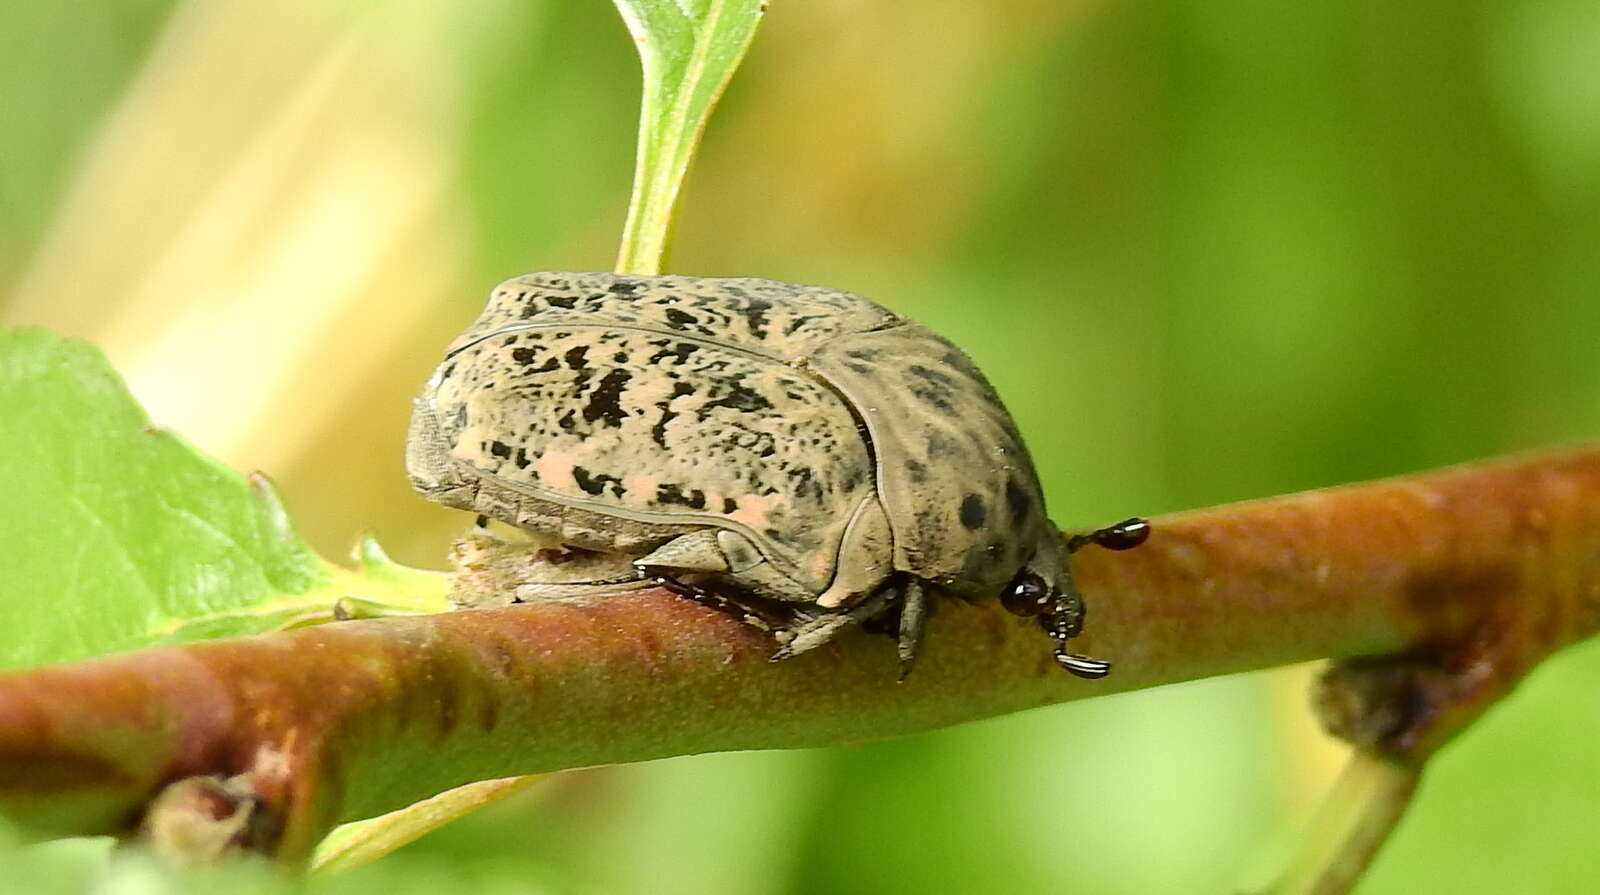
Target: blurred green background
1207	252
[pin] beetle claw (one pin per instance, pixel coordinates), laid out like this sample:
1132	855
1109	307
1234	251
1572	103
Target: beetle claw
1083	666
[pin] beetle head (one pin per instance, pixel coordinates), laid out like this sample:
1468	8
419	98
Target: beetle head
1043	590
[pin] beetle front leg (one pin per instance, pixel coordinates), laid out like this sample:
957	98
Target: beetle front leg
913	622
1060	612
1064	622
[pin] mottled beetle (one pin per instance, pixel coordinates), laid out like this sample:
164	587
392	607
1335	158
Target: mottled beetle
795	448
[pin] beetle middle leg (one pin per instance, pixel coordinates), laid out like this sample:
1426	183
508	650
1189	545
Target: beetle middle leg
1060	609
724	604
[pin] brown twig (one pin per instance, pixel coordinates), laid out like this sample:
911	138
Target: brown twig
352	719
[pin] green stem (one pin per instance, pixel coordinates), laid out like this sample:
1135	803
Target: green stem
1363	808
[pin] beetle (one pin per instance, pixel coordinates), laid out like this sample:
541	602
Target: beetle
790	448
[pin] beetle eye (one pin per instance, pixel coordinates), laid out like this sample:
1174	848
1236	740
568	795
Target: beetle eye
1026	595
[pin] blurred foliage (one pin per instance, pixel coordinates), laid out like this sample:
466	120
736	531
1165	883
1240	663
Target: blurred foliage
1206	251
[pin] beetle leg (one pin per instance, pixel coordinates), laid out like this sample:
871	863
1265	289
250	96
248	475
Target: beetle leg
718	602
697	552
748	569
812	634
913	621
1064	622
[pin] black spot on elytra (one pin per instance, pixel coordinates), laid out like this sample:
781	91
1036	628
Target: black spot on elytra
658	432
934	397
527	356
568	422
964	364
852	478
620	357
561	301
917	471
673	494
930	376
605	402
680	352
575	357
973	512
500	449
679	319
805	483
798	321
596	483
729	505
740	398
625	287
1017	500
755	315
522	458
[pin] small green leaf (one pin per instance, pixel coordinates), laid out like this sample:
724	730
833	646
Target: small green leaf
116	535
365	841
689	49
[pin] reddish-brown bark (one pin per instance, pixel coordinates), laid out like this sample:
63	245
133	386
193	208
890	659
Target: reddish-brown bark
1489	566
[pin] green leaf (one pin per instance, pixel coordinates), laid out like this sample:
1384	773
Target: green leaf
356	844
116	535
689	49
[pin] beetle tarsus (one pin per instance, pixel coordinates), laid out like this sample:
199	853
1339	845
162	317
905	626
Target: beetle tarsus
1064	622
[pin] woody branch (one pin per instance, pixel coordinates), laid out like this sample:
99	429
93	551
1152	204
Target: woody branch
323	725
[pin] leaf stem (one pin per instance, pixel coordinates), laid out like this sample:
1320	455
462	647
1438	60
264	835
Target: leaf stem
687	52
1365	805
